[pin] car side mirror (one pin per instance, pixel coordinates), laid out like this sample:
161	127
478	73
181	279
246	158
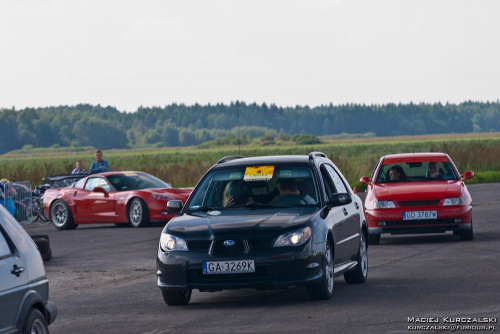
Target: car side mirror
100	190
174	205
339	200
467	175
365	180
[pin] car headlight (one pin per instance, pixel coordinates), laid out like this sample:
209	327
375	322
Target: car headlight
294	238
160	196
384	205
169	243
453	201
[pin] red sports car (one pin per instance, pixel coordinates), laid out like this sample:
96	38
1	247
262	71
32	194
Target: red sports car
417	193
133	198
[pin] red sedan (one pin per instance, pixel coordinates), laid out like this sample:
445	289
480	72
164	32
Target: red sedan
133	198
417	193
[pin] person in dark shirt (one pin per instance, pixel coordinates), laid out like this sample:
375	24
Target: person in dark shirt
289	187
99	165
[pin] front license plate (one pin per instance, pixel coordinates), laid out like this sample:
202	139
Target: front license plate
418	215
228	267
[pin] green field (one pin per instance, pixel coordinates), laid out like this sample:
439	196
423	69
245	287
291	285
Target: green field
184	166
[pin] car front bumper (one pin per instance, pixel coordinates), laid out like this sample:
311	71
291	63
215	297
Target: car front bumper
458	218
274	268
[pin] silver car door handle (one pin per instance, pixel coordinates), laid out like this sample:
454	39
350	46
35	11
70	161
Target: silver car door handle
17	270
345	211
356	205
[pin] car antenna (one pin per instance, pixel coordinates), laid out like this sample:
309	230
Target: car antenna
413	145
239	143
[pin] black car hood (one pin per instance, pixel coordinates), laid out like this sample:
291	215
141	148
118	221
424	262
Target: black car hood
203	227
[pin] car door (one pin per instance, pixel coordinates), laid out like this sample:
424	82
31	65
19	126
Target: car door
336	219
351	212
96	206
13	281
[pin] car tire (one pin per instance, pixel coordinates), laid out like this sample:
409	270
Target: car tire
467	235
138	215
47	255
35	323
324	290
373	239
360	273
43	244
61	216
176	297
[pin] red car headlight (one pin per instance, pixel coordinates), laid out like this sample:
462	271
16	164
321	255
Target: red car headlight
160	197
453	201
384	205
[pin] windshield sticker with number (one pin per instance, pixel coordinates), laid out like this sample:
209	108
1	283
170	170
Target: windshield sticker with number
259	173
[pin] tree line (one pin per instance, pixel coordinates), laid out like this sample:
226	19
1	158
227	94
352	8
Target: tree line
184	125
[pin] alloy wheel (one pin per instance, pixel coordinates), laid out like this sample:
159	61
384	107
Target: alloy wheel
39	327
136	212
364	256
60	214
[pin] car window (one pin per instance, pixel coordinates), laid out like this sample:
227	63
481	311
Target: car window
94	182
270	185
416	171
136	181
374	170
79	184
5	249
327	182
337	181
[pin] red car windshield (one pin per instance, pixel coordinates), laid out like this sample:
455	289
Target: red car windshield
416	171
135	181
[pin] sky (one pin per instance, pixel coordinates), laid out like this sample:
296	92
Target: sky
128	54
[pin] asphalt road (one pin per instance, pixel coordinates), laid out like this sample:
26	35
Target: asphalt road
102	279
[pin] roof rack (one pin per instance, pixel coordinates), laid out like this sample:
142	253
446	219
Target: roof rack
229	157
313	155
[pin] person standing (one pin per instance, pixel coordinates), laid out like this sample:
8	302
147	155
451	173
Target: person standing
99	165
7	195
79	168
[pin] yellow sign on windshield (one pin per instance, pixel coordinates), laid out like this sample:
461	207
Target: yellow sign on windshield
259	173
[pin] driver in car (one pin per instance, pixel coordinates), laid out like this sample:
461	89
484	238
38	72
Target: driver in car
433	171
288	189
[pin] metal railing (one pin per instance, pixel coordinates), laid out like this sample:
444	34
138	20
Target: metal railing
17	198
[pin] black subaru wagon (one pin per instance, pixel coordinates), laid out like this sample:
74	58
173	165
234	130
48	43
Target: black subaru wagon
264	222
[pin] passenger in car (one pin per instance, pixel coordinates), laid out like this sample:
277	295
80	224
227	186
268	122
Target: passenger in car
236	193
396	173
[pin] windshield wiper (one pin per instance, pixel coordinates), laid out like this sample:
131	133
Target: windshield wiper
255	205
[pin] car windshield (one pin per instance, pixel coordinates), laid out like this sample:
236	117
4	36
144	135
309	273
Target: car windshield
256	187
135	181
416	171
65	182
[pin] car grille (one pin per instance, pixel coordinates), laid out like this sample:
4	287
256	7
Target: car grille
202	246
220	250
260	244
254	245
419	203
419	222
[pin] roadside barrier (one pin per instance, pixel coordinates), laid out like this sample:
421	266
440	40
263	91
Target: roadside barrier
17	198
